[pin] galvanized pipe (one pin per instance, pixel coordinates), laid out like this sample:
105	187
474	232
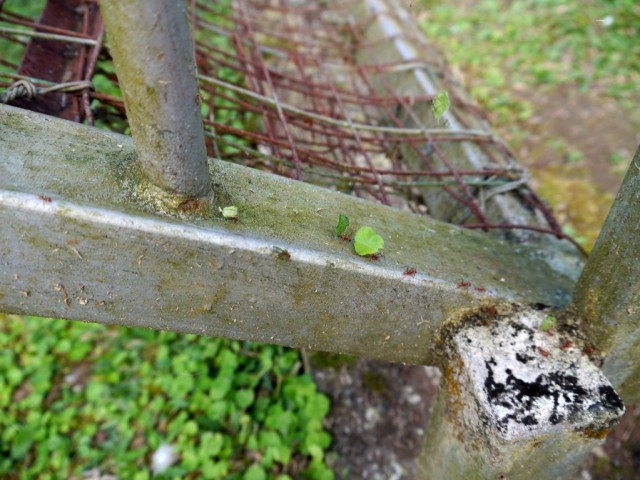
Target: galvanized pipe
153	53
608	293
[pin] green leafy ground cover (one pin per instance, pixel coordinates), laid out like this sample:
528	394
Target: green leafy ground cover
75	396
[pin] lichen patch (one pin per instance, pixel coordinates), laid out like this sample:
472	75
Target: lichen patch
530	382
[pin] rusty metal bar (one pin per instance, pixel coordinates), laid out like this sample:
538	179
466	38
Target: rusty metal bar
109	248
153	53
55	58
390	28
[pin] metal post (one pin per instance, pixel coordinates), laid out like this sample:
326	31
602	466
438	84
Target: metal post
153	54
608	293
516	402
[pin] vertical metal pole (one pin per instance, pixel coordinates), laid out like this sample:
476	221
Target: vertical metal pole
608	293
153	54
515	402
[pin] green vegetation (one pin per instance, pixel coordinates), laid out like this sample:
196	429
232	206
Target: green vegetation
440	104
343	223
512	54
218	110
12	51
548	323
334	361
76	396
367	241
590	43
79	396
230	213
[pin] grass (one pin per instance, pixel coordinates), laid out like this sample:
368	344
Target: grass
11	50
76	397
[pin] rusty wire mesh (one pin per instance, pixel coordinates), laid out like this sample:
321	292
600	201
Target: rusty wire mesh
298	88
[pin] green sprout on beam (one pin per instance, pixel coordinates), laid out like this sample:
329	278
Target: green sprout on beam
548	323
440	104
343	223
368	242
230	213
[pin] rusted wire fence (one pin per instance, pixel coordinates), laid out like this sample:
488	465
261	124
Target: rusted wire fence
290	88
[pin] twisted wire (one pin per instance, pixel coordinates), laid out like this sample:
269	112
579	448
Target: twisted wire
26	89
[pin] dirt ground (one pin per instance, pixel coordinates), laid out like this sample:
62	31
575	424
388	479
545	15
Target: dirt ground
380	411
378	417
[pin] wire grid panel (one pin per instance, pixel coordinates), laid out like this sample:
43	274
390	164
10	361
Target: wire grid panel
323	92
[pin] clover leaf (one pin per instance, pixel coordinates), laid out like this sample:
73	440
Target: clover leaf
367	241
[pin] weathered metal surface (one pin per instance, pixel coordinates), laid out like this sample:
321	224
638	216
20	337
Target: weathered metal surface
608	293
153	54
394	36
516	402
85	238
57	61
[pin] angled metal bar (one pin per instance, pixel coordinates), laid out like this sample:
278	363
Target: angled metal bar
84	238
153	54
607	295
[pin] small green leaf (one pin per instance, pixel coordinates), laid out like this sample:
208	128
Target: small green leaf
95	391
244	397
367	241
343	223
255	472
230	212
440	104
23	441
548	323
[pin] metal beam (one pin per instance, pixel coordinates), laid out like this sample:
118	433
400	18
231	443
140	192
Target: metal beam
391	33
608	293
83	237
152	50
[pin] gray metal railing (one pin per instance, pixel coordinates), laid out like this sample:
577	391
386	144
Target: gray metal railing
95	229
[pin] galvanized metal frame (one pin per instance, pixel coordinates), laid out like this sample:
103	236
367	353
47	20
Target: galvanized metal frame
78	213
91	233
607	296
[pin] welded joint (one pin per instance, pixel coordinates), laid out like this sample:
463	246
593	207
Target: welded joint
519	398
